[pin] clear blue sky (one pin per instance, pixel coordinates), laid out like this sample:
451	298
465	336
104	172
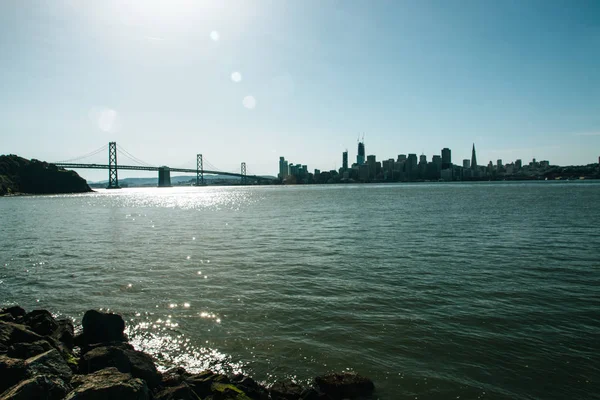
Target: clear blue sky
168	79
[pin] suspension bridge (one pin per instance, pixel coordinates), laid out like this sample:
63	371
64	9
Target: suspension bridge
164	172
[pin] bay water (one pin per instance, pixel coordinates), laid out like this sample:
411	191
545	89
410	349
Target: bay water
434	291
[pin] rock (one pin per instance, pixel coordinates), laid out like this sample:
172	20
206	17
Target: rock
312	394
40	321
174	376
7	317
139	364
19	175
100	327
39	387
27	350
120	345
202	383
250	387
108	383
11	333
49	363
65	333
346	385
285	390
12	371
179	392
15	311
227	391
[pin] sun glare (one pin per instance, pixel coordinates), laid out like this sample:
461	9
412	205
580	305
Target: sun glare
173	12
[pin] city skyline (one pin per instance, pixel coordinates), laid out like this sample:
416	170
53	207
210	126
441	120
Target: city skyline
410	167
303	79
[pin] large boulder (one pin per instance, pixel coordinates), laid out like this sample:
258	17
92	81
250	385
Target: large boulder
174	376
65	333
202	383
11	333
100	327
139	364
14	311
49	363
27	350
345	385
110	384
179	392
12	371
6	317
227	391
285	390
39	387
250	387
40	321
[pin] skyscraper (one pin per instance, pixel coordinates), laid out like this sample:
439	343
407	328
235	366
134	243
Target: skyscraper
345	160
473	158
284	170
446	158
360	157
371	162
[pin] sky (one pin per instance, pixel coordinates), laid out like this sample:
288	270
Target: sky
255	80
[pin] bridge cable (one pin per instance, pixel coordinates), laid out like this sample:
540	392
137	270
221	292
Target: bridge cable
135	162
92	153
127	154
211	166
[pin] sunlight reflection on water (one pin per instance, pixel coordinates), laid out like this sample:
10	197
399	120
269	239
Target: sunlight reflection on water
171	348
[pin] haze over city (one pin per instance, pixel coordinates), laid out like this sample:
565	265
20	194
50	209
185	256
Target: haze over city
255	80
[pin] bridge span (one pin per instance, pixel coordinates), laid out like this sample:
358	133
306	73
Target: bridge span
164	172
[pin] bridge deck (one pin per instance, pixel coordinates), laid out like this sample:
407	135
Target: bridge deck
142	168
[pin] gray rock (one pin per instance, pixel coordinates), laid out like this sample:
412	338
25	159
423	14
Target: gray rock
345	385
39	387
250	387
7	317
15	311
285	390
11	333
174	376
40	322
100	327
49	363
65	333
202	382
139	364
180	392
27	350
12	371
110	384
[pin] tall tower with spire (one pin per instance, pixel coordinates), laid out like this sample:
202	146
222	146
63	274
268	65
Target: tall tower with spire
473	158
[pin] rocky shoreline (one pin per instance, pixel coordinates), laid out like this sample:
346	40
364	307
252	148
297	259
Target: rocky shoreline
21	176
43	358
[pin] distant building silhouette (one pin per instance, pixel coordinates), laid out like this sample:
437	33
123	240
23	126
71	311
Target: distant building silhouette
284	170
446	158
372	163
466	163
473	158
360	157
345	160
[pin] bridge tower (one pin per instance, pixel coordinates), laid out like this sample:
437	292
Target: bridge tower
243	173
199	170
113	179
